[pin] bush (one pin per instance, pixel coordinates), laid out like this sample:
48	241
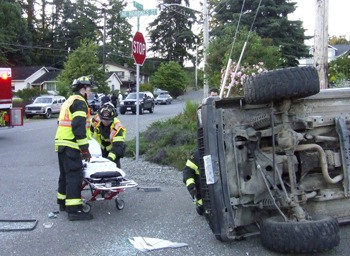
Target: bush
169	142
29	94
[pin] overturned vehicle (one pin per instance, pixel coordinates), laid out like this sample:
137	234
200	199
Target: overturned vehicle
276	162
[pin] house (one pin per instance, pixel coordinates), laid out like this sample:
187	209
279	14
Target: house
48	80
334	51
113	81
45	78
23	77
127	75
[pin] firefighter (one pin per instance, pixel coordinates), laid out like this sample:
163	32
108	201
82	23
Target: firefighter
109	133
191	178
72	145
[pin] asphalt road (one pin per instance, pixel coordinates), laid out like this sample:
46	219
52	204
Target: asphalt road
28	178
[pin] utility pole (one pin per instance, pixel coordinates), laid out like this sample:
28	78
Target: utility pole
321	42
196	69
205	46
104	41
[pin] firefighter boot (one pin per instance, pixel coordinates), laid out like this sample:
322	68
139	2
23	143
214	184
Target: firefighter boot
62	208
79	215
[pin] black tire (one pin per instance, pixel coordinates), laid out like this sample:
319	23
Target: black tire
281	84
48	114
122	112
317	235
29	116
141	110
151	110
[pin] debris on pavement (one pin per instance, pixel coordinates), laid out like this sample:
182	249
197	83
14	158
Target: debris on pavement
145	244
149	189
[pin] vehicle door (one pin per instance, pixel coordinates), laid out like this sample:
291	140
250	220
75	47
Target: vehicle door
147	101
54	105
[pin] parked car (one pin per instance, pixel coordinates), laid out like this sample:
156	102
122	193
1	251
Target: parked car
45	105
146	101
95	102
158	91
164	99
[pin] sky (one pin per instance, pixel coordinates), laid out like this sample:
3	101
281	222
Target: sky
338	15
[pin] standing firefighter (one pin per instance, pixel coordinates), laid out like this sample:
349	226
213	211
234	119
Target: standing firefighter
191	178
72	146
109	133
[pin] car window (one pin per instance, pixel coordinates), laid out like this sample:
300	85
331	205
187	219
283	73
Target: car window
43	100
54	102
132	96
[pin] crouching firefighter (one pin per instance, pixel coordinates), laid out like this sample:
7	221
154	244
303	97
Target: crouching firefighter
191	178
109	133
72	145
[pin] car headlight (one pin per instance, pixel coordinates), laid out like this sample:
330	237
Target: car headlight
122	103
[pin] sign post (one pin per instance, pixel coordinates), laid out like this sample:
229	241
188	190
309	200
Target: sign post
139	54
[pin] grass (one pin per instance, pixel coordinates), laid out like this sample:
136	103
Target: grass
168	142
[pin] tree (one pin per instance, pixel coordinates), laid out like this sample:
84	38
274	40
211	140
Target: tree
81	62
338	40
257	50
118	46
171	33
339	71
170	77
15	39
271	24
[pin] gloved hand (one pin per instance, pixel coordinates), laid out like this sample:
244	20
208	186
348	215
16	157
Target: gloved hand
85	154
192	189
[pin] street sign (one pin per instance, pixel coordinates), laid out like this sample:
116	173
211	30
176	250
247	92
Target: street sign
138	6
137	13
139	48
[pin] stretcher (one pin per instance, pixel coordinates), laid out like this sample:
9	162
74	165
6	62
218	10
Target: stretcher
103	179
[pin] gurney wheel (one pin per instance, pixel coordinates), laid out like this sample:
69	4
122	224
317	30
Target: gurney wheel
119	203
86	207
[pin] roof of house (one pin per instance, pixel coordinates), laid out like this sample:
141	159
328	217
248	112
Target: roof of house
49	76
22	73
341	48
113	73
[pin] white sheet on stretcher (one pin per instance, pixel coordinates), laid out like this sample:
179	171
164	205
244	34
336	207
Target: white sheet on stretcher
98	163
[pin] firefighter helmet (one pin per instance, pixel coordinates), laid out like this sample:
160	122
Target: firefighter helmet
107	112
81	82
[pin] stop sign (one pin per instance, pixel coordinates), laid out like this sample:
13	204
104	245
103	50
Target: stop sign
139	48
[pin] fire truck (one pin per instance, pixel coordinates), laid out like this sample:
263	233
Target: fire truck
9	116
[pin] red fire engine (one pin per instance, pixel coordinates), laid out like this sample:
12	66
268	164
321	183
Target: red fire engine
9	116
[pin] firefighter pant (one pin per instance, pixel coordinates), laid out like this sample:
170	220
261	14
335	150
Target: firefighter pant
70	179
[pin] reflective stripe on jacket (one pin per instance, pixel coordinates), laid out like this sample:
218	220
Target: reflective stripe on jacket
64	134
115	127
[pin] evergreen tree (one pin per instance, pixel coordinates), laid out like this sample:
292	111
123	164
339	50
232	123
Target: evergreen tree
171	33
15	38
271	23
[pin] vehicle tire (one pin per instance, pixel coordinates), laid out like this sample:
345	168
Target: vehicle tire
280	84
122	112
317	235
29	116
141	110
48	114
151	110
